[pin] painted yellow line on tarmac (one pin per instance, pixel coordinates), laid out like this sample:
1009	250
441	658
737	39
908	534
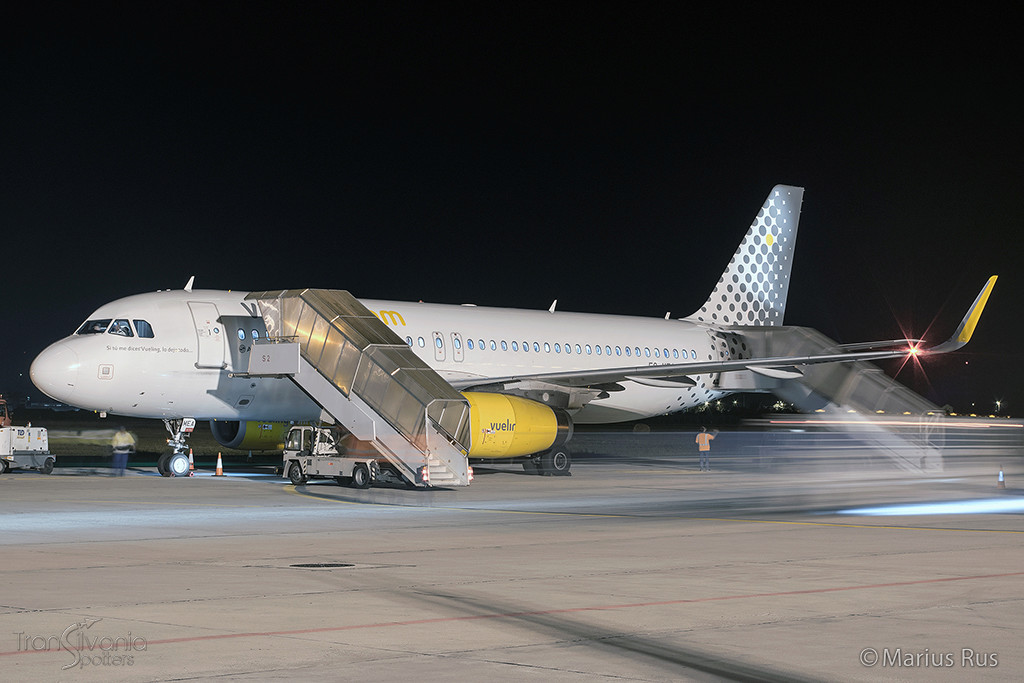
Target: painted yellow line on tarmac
157	502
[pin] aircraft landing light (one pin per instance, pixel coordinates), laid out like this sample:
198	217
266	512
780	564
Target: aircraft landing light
955	507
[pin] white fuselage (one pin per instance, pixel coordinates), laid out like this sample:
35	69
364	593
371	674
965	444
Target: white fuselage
200	339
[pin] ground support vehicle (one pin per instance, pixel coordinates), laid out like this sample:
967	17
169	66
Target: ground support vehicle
317	453
25	448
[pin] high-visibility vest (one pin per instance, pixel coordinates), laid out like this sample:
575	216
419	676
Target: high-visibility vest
704	441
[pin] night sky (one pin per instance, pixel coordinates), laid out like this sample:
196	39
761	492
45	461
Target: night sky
608	155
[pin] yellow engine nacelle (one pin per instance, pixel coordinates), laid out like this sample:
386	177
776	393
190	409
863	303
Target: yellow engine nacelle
250	436
505	426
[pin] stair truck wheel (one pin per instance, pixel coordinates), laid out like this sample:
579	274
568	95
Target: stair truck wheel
361	476
295	474
47	466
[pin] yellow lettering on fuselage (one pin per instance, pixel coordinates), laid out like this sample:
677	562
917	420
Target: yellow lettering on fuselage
391	318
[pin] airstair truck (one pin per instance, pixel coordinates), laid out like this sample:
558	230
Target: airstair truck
27	448
317	453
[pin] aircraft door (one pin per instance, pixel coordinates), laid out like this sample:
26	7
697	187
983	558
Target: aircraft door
457	353
209	335
438	346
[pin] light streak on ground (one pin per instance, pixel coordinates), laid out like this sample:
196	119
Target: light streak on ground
956	507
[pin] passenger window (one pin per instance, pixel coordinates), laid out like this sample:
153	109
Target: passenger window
558	347
618	350
607	350
469	344
241	335
255	334
121	328
94	327
568	349
515	346
647	352
482	347
598	349
494	346
627	352
408	340
144	329
588	349
578	349
504	345
547	347
675	353
420	342
656	354
536	347
457	343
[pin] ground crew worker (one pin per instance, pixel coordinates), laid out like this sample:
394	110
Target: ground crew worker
124	444
703	442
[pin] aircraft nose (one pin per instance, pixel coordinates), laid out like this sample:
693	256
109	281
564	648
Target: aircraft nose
55	371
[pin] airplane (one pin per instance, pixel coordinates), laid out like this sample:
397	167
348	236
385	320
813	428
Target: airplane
182	355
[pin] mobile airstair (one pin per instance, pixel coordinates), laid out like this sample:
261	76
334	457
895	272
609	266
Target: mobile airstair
859	397
368	380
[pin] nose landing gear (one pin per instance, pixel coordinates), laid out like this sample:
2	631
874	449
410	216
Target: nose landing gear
175	463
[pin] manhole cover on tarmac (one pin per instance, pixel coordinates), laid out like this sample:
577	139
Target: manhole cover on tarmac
321	565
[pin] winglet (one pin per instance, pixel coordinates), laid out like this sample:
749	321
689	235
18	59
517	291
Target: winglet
970	321
188	286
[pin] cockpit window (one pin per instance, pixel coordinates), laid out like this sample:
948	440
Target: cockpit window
94	327
144	329
121	328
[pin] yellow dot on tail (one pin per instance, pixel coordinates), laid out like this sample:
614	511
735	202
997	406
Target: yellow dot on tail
769	238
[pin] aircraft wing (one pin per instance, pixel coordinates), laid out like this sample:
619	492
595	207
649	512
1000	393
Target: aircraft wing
678	374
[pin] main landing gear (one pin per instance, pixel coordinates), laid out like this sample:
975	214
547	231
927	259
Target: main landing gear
175	463
555	462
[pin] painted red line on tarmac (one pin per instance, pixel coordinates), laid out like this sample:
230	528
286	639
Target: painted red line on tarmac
533	613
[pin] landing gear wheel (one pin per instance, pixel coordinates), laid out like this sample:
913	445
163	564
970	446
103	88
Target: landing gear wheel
47	466
161	465
295	474
555	463
361	476
177	465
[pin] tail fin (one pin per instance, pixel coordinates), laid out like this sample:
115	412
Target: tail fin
755	284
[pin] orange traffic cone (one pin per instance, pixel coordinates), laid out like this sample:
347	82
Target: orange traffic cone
220	467
191	464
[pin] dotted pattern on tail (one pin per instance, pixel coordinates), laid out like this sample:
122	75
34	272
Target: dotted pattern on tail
754	286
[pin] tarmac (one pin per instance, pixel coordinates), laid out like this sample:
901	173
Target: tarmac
637	568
